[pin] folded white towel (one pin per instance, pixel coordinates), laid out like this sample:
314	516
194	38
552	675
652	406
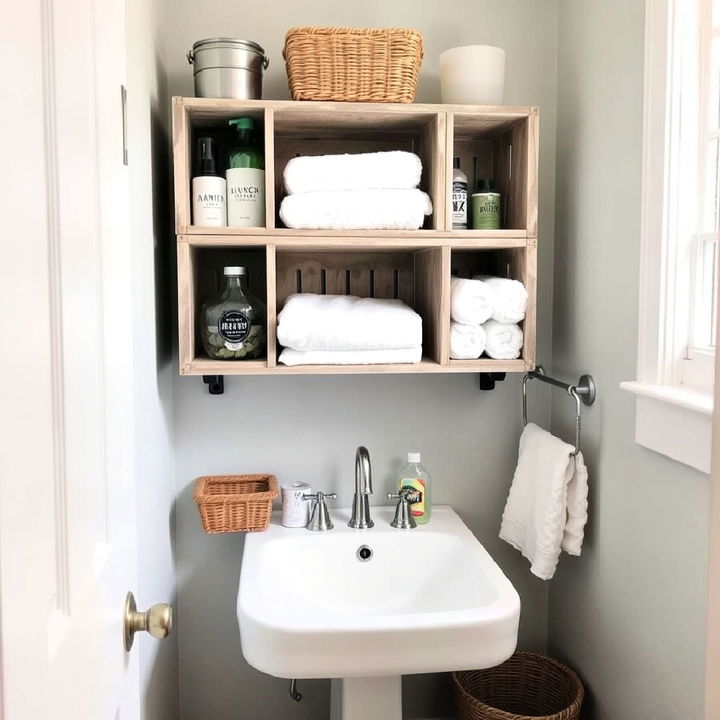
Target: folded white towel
510	298
350	357
471	301
356	210
362	171
467	342
546	509
504	340
346	322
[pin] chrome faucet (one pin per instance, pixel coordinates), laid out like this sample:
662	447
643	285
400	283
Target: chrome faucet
363	487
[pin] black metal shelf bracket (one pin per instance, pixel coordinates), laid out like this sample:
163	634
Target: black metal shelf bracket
215	383
488	380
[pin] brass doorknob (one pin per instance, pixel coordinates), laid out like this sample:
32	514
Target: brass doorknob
157	620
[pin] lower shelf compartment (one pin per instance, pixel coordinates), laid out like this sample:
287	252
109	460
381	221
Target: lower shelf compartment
206	366
419	276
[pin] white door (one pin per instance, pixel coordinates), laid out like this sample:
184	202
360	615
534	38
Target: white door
68	547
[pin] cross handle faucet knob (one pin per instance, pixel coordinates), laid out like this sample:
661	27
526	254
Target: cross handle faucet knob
320	517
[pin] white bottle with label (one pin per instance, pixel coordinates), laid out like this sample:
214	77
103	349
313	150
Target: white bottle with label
246	178
208	188
459	197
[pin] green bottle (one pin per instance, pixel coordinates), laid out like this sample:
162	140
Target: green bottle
245	177
485	206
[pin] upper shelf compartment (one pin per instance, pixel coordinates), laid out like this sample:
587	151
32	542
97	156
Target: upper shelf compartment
338	132
503	138
501	147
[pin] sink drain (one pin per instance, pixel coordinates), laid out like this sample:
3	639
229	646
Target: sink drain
364	553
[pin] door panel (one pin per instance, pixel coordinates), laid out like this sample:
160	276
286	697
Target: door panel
67	491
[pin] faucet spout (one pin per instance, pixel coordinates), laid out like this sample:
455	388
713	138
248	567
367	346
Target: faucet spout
363	473
360	519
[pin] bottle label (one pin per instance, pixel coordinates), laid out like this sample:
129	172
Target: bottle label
246	197
417	508
234	327
486	211
459	203
208	195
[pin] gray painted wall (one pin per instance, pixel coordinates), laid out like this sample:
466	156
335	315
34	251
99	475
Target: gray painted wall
629	614
308	428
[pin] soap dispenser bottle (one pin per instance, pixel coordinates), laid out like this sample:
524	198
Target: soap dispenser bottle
414	475
208	188
245	177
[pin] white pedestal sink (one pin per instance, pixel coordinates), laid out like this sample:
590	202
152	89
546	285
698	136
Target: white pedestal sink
427	600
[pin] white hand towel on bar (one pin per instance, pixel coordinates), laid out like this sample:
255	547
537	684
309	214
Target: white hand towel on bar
546	509
471	301
356	210
396	169
345	322
350	357
467	342
510	298
504	341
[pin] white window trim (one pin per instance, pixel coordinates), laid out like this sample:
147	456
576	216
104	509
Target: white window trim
671	418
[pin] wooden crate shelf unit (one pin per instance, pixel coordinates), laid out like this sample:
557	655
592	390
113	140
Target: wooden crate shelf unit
415	266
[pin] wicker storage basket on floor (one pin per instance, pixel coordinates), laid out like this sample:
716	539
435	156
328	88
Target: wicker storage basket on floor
235	503
525	687
353	64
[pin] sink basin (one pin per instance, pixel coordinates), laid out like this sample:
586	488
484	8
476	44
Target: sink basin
427	600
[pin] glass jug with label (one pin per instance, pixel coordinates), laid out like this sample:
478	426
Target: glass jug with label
232	324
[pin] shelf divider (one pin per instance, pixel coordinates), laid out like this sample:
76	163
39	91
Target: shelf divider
271	302
269	123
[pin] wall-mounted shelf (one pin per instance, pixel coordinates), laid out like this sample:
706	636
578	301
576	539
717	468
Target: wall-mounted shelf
415	266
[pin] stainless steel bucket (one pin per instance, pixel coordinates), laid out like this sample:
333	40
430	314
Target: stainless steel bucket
228	68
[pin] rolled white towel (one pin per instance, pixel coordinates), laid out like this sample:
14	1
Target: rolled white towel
471	301
396	169
467	342
350	357
504	340
356	210
345	322
510	298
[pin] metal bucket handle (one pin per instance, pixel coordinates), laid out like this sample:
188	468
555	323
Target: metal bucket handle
191	59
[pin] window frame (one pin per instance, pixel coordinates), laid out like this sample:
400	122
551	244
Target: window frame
671	417
696	370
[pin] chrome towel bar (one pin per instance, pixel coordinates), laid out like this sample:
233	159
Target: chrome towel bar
583	392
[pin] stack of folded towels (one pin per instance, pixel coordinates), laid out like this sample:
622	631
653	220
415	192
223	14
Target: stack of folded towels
367	191
347	330
484	314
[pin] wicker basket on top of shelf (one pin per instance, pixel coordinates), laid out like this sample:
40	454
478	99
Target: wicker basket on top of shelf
235	503
353	64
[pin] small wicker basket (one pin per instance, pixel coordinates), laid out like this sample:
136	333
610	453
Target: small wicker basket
235	503
353	64
525	687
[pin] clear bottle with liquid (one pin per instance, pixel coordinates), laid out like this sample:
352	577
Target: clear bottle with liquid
232	324
414	475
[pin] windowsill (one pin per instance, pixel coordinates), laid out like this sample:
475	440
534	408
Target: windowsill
675	421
